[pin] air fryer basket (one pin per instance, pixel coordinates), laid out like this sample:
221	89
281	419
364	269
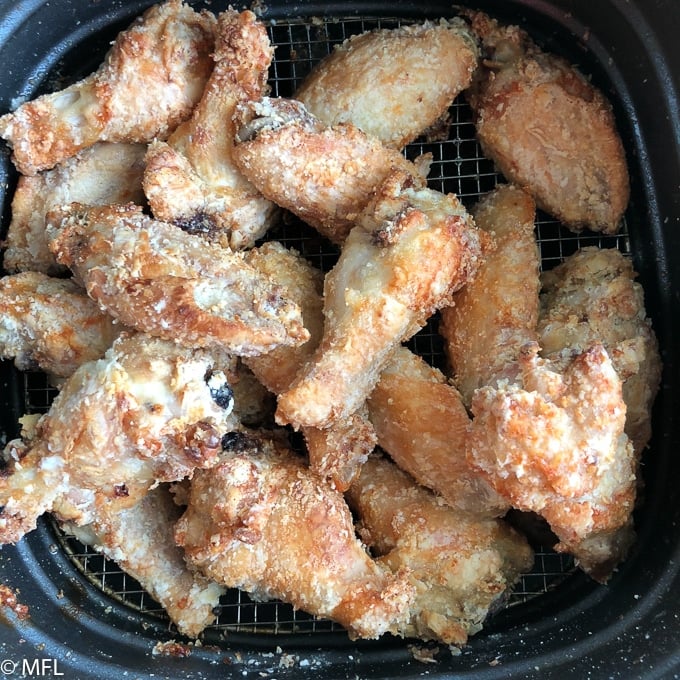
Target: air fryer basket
93	621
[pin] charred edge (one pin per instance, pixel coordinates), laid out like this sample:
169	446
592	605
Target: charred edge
220	391
199	223
238	442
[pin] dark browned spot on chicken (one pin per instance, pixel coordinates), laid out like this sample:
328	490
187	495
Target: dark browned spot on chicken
220	391
198	223
238	442
120	491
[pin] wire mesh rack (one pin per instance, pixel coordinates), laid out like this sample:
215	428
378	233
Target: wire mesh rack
458	166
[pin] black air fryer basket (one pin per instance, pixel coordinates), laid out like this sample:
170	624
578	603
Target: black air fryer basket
66	609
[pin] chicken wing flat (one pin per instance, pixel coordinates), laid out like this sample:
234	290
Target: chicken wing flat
150	411
191	180
461	568
496	314
324	175
102	174
411	249
420	420
554	444
149	82
156	278
593	297
393	83
51	324
264	522
141	540
548	129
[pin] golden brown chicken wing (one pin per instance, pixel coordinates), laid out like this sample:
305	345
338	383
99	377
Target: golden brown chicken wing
554	444
156	278
191	180
496	314
593	297
461	568
102	174
324	175
393	83
548	129
148	83
411	249
264	522
150	411
51	324
141	540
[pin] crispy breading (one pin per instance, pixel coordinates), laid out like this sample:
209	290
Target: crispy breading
548	129
324	175
51	324
393	83
191	179
461	567
156	278
149	82
496	314
264	522
150	411
99	175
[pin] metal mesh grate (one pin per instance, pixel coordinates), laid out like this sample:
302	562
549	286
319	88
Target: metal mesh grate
458	166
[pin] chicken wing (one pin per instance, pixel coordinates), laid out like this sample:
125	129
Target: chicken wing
496	314
150	411
191	180
51	324
554	444
411	249
156	278
150	81
324	175
393	83
548	129
461	568
141	540
264	522
420	420
102	174
593	297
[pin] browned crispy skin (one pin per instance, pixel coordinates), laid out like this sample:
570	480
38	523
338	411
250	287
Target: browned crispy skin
324	175
548	129
420	420
149	82
156	278
554	444
150	411
393	83
264	522
51	324
496	314
191	180
593	297
99	175
141	540
461	567
411	249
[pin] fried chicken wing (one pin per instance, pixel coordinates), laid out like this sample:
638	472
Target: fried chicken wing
548	129
420	420
141	540
461	568
191	179
393	83
554	444
51	324
593	297
324	175
150	411
156	278
150	81
264	522
411	249
102	174
495	315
